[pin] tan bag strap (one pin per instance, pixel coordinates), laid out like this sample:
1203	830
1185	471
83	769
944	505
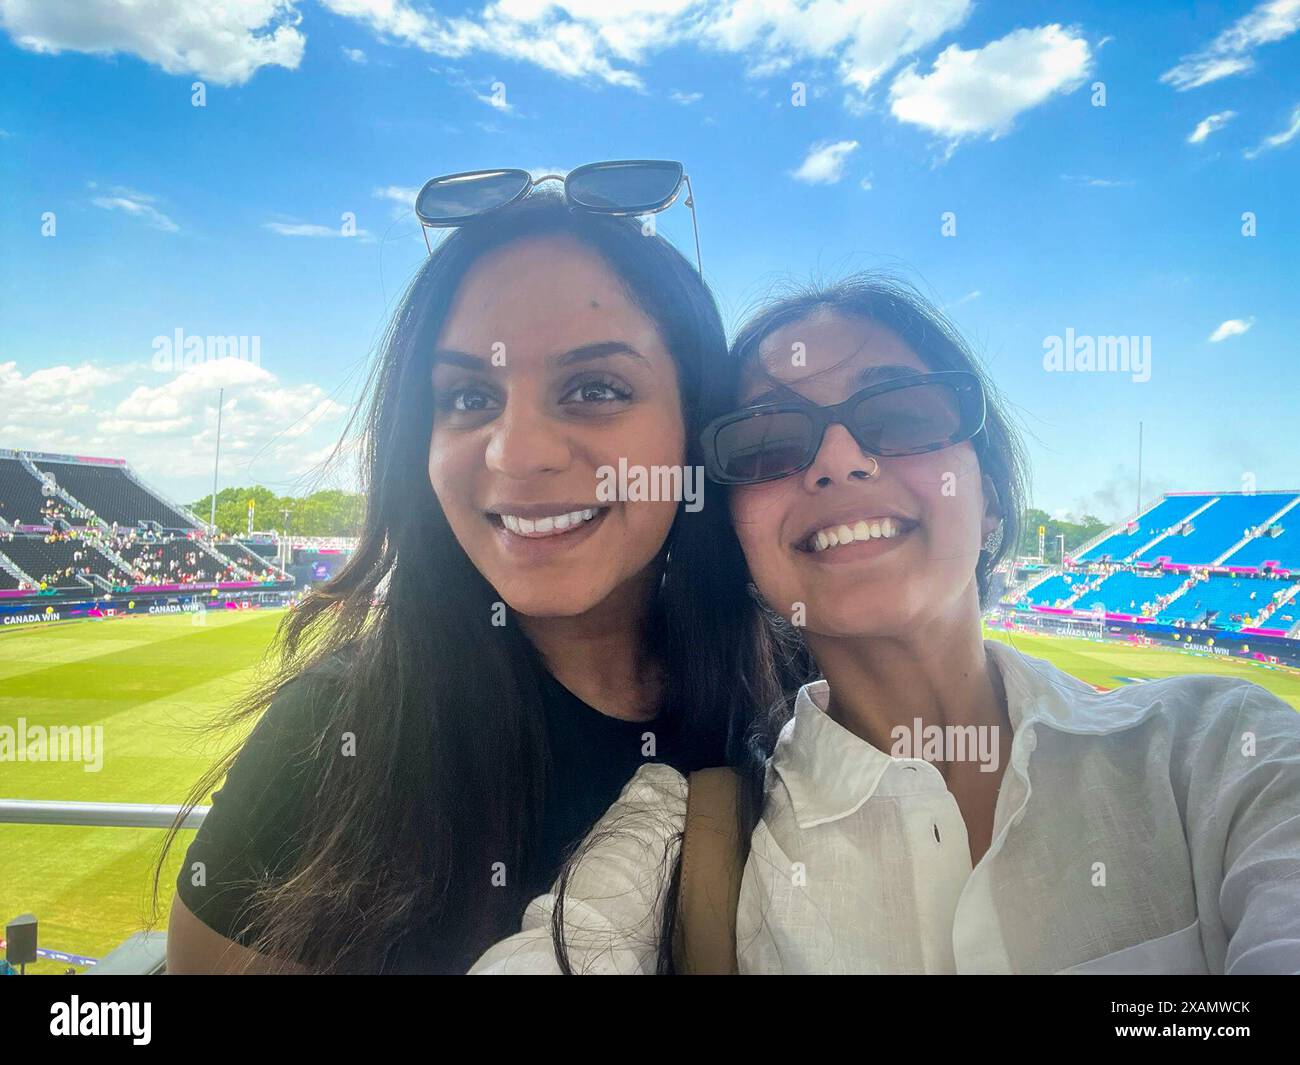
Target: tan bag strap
704	935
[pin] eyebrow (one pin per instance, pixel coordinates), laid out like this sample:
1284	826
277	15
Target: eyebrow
868	376
601	349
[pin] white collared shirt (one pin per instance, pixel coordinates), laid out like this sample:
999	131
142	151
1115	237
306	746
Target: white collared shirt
1150	829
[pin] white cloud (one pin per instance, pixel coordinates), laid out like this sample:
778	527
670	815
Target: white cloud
400	197
1231	328
685	98
1210	124
1231	52
307	229
137	204
863	40
165	424
224	41
227	41
1095	182
981	91
575	39
403	194
824	164
497	100
1286	136
855	42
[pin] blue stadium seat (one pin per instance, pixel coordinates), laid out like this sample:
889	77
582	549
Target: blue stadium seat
1218	527
1119	545
1283	549
1126	592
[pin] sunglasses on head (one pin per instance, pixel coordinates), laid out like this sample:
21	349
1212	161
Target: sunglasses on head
619	187
907	415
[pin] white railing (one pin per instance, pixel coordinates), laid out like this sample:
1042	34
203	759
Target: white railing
96	814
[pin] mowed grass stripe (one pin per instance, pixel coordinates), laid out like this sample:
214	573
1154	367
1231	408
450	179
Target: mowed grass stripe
95	688
29	649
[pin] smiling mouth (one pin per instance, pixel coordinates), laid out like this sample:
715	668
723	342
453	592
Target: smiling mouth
538	528
860	531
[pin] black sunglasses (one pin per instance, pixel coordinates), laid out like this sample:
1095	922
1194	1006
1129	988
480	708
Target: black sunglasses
904	416
619	187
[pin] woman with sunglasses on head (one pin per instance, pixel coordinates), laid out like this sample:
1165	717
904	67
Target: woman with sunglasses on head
505	647
939	803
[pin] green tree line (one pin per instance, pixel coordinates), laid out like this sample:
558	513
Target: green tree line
328	512
1075	533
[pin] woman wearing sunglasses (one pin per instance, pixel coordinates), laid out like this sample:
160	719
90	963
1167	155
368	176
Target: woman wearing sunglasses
938	803
506	646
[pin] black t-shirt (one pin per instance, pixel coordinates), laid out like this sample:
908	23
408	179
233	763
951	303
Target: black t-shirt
252	831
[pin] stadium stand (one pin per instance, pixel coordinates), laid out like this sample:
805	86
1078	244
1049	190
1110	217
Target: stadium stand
1125	592
57	561
1285	616
21	501
113	495
1054	590
1194	560
91	526
1128	539
1277	543
1224	602
1217	528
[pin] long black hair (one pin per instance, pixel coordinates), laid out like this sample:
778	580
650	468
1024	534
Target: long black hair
449	780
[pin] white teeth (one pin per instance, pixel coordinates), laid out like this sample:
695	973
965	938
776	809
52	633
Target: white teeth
550	526
864	529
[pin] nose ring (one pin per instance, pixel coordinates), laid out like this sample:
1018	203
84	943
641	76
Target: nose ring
862	475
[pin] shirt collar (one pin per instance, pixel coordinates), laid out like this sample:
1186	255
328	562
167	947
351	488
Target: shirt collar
829	772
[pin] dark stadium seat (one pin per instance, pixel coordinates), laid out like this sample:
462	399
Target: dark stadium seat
113	495
20	494
49	562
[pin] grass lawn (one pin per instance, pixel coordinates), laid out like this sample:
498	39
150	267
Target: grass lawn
153	682
1110	665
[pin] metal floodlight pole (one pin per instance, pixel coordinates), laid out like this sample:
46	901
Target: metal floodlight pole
1139	509
216	462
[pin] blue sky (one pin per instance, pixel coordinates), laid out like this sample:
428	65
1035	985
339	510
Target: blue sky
1122	219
